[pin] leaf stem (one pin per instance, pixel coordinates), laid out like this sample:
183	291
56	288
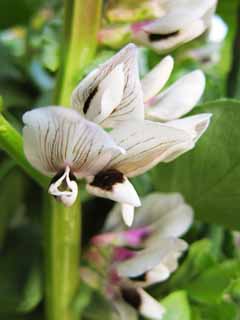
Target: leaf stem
12	143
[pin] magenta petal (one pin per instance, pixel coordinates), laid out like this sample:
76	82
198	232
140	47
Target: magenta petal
134	237
122	254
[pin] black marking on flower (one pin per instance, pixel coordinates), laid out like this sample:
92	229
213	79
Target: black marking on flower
89	99
154	37
141	277
107	179
131	296
63	186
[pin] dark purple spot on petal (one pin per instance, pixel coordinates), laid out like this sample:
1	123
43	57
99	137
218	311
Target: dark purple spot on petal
131	296
89	99
153	37
107	179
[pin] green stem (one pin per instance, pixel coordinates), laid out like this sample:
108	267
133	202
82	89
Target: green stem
12	143
62	247
62	225
79	44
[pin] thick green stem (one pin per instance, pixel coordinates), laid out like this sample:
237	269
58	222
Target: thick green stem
62	247
11	142
62	225
79	44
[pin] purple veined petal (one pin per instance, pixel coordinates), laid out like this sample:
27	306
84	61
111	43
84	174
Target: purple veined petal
146	143
56	138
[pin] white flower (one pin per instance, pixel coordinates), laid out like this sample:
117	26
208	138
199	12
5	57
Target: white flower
184	21
175	101
146	254
62	144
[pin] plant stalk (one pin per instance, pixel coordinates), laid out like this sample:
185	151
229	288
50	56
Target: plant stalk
62	225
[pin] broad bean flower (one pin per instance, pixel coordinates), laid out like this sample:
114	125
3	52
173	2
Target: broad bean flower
173	23
137	258
71	144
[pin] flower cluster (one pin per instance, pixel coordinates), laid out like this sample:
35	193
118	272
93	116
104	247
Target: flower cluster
163	25
71	144
132	260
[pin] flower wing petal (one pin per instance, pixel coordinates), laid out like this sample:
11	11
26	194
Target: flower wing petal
145	260
179	98
146	144
154	80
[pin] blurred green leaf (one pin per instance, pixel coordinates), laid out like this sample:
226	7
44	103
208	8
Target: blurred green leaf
10	206
210	286
20	272
209	175
222	311
82	298
234	290
177	306
200	258
98	308
17	12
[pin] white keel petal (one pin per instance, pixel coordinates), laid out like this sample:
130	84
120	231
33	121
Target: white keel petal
128	214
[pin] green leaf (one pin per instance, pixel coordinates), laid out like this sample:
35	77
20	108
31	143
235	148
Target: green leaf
211	285
200	258
209	175
177	306
98	308
222	311
20	13
20	272
12	184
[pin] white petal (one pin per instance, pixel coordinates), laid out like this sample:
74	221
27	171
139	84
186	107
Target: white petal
128	214
154	81
106	97
154	206
146	143
56	137
184	21
175	222
165	43
121	190
158	274
145	260
125	311
218	30
168	265
129	107
180	15
142	302
194	125
150	307
67	196
179	98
